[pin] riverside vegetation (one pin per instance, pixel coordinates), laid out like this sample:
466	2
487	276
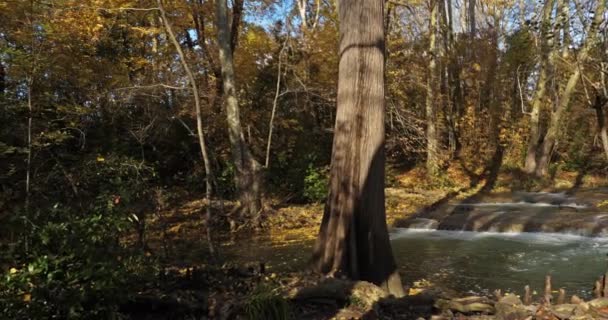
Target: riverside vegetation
152	151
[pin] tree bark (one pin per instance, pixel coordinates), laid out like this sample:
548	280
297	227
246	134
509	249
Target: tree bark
602	121
235	27
563	27
274	107
432	143
472	22
247	176
2	78
199	120
541	88
550	138
353	238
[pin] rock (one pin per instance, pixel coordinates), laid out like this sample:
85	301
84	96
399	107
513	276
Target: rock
361	293
510	307
581	309
510	299
466	305
419	223
367	294
564	311
599	303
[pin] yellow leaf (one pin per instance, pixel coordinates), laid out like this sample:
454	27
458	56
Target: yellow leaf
27	297
12	271
414	291
101	159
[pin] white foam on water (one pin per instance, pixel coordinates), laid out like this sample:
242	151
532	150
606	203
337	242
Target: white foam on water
529	237
524	204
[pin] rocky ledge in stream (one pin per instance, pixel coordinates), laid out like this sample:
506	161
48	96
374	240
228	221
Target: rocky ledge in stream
585	214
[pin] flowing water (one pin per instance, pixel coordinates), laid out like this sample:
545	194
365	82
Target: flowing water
482	247
479	262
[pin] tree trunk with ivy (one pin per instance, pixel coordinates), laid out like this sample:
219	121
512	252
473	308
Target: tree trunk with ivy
353	238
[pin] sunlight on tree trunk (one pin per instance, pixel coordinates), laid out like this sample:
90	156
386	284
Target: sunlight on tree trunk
550	139
432	141
199	121
541	88
353	239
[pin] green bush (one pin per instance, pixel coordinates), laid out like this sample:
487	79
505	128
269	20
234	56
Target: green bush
71	262
75	270
316	183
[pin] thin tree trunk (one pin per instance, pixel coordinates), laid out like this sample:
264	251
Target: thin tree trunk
28	171
199	121
563	11
602	121
550	138
247	168
472	22
353	238
454	92
2	78
274	108
522	13
541	88
600	103
432	143
235	27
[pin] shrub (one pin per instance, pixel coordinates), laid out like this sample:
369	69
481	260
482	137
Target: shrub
316	183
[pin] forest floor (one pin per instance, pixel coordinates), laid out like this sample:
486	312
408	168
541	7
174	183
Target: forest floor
245	287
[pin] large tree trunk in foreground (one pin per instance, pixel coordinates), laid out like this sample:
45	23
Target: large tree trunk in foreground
247	177
353	239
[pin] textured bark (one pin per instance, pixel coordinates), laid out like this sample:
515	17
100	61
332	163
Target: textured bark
274	107
2	78
602	121
550	138
541	88
199	120
247	176
563	26
353	238
472	22
432	142
235	27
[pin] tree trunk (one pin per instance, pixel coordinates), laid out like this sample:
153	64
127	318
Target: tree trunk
556	116
472	22
235	27
563	11
602	121
353	238
541	88
432	143
247	176
199	121
2	78
274	106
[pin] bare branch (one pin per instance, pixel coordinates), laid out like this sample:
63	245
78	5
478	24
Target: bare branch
162	85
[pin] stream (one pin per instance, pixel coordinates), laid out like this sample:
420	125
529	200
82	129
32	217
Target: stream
519	239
